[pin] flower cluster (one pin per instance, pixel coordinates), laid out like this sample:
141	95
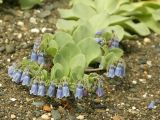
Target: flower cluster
18	75
118	71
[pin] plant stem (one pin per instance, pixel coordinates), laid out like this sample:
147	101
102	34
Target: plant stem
93	69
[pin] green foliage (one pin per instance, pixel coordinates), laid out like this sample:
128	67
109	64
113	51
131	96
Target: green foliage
134	18
27	4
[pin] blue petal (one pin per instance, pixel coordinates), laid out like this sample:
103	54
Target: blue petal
41	59
151	105
26	80
51	91
17	76
100	91
65	90
79	92
41	90
34	56
111	72
34	89
59	94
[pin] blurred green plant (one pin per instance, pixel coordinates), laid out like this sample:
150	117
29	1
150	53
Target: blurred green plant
130	17
28	4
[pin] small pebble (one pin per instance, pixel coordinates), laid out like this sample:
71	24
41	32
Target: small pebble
13	116
146	40
13	99
33	20
20	23
56	115
133	108
46	108
35	30
0	85
45	117
80	117
2	48
149	76
134	82
142	80
149	63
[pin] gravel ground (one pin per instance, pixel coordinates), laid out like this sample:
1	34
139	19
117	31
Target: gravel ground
126	99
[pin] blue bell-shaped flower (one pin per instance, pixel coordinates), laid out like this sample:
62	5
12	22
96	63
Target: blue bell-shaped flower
41	58
114	43
34	56
51	90
17	76
79	91
41	90
65	90
34	88
11	70
99	41
151	105
120	70
111	71
100	91
25	78
59	94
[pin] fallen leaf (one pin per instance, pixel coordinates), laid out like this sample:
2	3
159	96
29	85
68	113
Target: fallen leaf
47	108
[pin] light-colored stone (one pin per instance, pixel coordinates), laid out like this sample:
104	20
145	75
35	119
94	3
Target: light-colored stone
45	117
33	20
80	117
20	23
134	82
147	40
13	116
35	30
13	99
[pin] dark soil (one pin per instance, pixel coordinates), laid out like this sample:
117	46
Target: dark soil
126	99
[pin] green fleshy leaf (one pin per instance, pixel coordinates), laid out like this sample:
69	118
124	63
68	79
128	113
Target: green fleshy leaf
151	23
78	11
139	28
86	2
45	40
82	32
57	72
77	65
66	25
111	57
90	49
27	4
63	38
108	6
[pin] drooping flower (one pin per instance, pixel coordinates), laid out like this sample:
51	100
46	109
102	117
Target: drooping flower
59	94
17	76
99	41
120	70
34	88
151	105
26	80
79	91
41	58
11	70
65	90
100	91
41	90
111	71
114	43
34	56
51	90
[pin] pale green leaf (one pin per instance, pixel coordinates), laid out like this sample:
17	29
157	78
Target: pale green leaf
82	32
90	49
66	25
139	28
63	38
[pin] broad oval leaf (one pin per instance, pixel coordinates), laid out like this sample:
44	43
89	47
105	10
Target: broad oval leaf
90	49
63	38
57	72
82	32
